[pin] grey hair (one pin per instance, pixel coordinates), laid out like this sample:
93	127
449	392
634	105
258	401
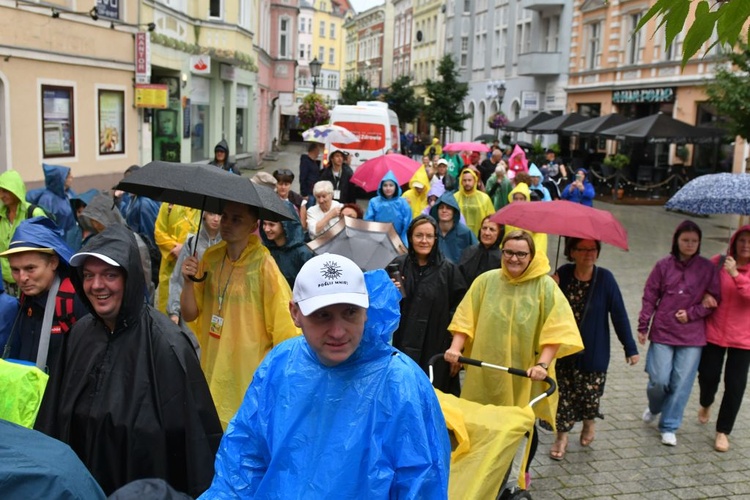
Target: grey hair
322	187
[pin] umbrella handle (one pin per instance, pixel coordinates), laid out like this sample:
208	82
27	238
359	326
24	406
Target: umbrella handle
196	279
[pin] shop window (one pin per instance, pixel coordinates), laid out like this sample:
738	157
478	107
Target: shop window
240	134
58	122
111	111
590	110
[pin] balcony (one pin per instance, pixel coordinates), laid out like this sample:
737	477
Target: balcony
541	63
540	5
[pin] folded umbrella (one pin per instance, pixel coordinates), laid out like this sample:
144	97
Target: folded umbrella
564	218
456	147
371	172
371	245
714	194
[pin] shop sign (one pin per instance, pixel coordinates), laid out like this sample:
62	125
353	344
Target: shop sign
152	96
664	94
530	100
200	65
108	8
226	72
142	58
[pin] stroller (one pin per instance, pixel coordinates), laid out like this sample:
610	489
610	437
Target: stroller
485	439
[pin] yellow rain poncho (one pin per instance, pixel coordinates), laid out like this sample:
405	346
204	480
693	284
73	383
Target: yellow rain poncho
417	201
540	239
255	313
173	224
475	206
21	390
434	144
507	321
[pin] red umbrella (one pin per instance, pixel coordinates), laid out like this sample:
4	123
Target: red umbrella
371	172
457	147
564	218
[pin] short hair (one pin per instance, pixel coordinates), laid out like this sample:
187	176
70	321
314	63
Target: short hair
321	187
571	243
523	177
520	234
283	175
313	146
356	208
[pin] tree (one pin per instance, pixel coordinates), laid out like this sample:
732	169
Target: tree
356	90
730	92
313	111
401	99
724	17
445	97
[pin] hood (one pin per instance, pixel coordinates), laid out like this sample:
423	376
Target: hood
684	227
103	210
733	239
420	176
11	181
389	176
450	200
436	189
517	160
54	178
82	199
534	171
295	236
585	173
223	145
520	188
476	179
435	255
41	232
539	266
118	243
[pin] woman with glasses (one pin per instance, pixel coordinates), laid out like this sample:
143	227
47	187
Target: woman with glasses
432	287
514	316
595	297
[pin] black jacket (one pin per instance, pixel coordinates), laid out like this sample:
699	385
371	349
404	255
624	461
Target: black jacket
477	259
132	403
344	185
309	174
229	166
431	295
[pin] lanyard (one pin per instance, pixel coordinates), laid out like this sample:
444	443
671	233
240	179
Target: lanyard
221	293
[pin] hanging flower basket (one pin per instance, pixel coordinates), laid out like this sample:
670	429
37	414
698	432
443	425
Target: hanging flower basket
313	111
498	120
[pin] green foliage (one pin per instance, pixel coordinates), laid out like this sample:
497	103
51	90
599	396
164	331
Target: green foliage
445	97
725	17
313	111
618	161
730	92
355	90
401	99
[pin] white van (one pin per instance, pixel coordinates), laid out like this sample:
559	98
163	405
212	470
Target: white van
376	126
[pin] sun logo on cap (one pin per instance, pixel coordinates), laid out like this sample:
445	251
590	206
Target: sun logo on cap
331	270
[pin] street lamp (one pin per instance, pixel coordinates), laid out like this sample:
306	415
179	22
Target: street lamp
315	72
500	96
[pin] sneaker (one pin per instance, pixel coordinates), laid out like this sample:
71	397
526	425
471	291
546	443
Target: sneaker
668	438
648	417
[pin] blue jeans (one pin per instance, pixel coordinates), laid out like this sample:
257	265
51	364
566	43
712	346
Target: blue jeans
671	373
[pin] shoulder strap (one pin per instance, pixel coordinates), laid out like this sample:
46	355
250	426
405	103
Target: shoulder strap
589	295
49	312
30	210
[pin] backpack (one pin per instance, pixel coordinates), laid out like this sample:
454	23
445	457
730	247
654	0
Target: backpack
155	254
32	207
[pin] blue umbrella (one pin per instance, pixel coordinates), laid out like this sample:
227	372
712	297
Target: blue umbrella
714	194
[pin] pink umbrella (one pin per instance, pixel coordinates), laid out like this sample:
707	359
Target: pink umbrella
456	147
372	171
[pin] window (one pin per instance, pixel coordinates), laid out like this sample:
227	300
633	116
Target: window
284	36
57	121
216	9
332	81
309	52
331	56
333	32
672	52
302	51
464	51
590	110
301	23
321	54
593	47
111	108
467	6
634	48
551	33
309	26
322	31
244	14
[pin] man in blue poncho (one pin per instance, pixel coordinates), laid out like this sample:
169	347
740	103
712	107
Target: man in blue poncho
339	412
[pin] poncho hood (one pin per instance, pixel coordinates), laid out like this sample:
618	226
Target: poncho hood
11	181
522	188
421	177
295	236
534	171
43	233
450	200
390	176
476	180
103	210
539	266
733	240
54	178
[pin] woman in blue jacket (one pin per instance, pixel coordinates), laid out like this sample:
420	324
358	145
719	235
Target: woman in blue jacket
580	190
594	297
388	206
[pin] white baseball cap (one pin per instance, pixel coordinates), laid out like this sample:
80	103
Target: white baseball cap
78	259
329	279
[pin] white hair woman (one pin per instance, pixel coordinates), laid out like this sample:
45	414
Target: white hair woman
326	211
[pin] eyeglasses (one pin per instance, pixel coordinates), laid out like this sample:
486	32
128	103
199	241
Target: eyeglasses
509	254
283	171
585	250
427	237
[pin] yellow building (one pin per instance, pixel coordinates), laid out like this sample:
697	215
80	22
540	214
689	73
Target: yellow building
328	47
427	46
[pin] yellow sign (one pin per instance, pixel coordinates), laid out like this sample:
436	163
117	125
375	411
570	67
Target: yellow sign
151	96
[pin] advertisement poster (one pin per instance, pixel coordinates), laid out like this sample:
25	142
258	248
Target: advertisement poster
58	121
111	122
371	136
151	96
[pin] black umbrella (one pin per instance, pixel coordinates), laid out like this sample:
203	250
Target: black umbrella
661	129
596	125
485	138
522	124
204	187
557	124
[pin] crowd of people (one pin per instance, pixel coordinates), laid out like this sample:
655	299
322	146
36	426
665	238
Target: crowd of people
233	345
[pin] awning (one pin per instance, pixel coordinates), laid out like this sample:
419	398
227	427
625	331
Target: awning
290	110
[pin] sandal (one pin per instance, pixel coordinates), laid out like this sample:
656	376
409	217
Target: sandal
588	433
558	449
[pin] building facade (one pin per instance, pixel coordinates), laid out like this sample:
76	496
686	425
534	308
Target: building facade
402	38
329	44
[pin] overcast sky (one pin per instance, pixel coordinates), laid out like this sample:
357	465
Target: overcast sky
363	5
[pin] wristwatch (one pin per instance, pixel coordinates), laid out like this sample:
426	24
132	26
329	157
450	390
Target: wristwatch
543	365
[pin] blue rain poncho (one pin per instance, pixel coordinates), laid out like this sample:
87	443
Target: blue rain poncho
370	426
54	197
395	209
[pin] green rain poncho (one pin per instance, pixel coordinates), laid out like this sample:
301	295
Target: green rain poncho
507	321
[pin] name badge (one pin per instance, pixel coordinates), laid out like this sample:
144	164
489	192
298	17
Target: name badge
217	322
336	194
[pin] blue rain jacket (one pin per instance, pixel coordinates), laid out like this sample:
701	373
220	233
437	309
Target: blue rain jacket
369	426
54	198
459	237
294	253
395	210
140	214
74	237
8	310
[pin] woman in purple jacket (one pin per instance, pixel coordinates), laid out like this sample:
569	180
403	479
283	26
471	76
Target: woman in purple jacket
673	319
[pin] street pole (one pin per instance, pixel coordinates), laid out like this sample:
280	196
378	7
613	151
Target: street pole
500	97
